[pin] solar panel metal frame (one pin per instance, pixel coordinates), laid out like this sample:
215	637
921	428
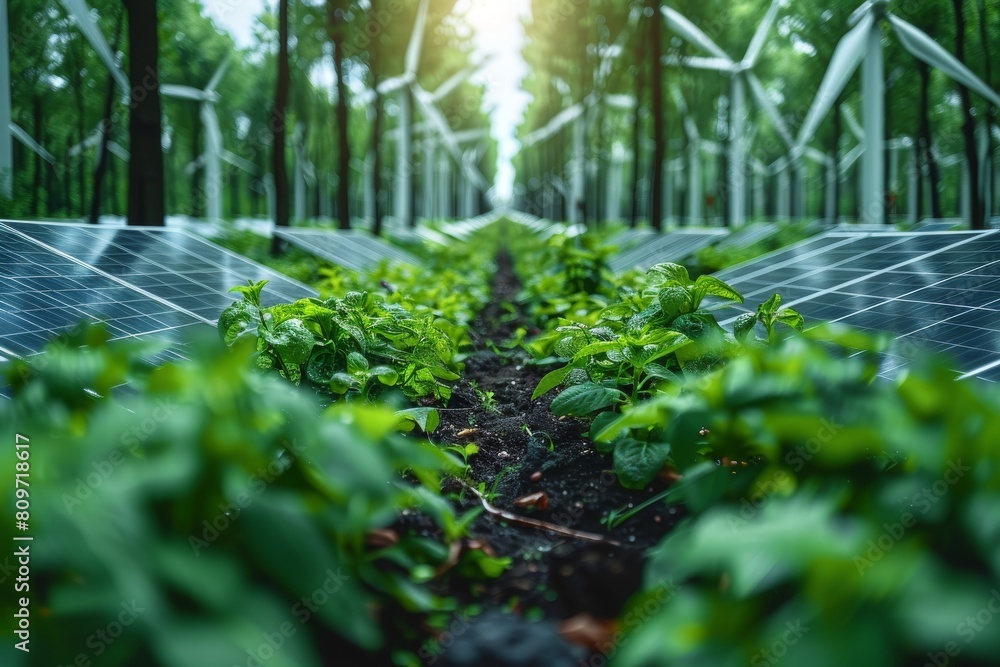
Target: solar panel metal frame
749	234
280	288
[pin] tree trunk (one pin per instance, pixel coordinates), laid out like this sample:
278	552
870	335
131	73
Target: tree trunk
991	114
838	131
278	120
376	179
36	186
640	90
337	33
197	191
412	213
659	140
978	217
925	141
97	200
145	173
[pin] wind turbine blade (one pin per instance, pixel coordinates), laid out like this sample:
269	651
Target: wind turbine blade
432	114
18	133
816	155
217	77
769	109
852	123
561	120
470	135
692	34
845	61
92	31
239	162
699	62
624	102
713	147
852	156
89	142
213	134
118	151
186	93
395	83
759	37
453	82
925	49
416	39
996	132
778	165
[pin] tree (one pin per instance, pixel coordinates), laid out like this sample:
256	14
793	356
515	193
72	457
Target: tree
977	212
145	186
106	126
279	127
337	26
659	136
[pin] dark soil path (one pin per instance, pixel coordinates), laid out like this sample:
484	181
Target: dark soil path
525	450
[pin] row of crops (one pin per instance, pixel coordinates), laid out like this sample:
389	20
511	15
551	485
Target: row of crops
509	455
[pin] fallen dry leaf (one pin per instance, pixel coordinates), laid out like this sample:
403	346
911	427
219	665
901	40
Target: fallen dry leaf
382	537
539	500
467	432
594	634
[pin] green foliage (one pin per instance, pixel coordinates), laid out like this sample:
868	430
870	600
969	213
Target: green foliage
353	347
214	500
858	512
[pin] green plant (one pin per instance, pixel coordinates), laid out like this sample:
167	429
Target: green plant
863	514
486	398
214	501
352	347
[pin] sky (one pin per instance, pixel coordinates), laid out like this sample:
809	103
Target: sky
498	35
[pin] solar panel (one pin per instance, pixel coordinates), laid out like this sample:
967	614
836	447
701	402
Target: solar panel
44	293
932	225
748	235
630	238
187	271
670	247
935	291
356	250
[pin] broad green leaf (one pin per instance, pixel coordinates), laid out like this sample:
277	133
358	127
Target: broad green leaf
551	381
600	423
791	318
712	286
668	275
637	462
341	383
321	367
582	399
675	301
387	375
596	348
251	291
426	418
356	363
769	307
744	325
292	340
236	320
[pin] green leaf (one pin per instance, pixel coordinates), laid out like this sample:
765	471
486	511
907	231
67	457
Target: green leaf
675	301
582	399
322	367
387	375
637	462
744	325
251	291
551	381
426	418
667	275
769	307
601	422
341	383
596	348
356	363
292	340
236	320
791	318
712	286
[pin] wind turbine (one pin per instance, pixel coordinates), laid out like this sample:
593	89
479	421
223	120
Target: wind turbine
741	74
213	135
864	42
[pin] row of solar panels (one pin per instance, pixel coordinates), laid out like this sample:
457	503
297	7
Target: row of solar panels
158	283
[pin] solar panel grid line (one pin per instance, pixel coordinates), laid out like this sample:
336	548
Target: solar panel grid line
109	276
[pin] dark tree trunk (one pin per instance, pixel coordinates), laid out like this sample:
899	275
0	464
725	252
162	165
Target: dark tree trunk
81	127
97	200
838	131
337	33
925	141
978	217
659	139
278	164
412	213
197	192
377	159
991	114
145	173
36	186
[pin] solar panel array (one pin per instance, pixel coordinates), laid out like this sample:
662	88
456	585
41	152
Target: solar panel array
357	250
670	247
748	235
934	291
160	284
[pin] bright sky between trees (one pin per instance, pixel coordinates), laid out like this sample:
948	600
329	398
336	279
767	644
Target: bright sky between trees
498	36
